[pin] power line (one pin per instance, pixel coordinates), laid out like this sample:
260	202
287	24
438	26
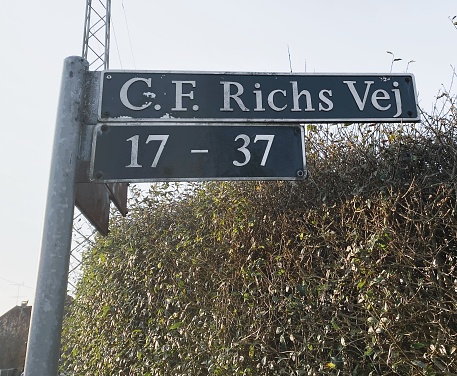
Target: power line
128	33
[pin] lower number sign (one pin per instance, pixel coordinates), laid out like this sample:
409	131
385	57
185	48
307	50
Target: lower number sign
178	152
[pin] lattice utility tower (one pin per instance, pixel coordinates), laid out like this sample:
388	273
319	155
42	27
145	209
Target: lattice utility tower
96	51
97	34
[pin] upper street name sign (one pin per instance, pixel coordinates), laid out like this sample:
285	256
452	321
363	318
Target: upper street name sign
191	97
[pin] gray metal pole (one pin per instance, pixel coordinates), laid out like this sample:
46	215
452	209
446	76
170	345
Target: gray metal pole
43	348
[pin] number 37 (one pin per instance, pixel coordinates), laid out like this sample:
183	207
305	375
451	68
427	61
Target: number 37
247	154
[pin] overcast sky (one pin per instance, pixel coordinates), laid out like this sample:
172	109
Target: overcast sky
330	36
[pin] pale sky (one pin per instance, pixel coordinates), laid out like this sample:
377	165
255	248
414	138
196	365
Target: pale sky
323	36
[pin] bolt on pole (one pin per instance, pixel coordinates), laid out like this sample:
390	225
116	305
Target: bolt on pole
43	349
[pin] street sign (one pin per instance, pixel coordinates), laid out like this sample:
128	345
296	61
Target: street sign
155	96
182	153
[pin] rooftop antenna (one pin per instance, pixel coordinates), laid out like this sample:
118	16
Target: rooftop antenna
19	285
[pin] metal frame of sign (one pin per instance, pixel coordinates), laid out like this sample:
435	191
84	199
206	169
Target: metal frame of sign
300	175
288	120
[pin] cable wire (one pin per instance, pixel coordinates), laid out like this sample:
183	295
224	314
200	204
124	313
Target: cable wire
115	42
128	33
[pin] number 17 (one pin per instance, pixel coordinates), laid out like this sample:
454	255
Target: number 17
153	137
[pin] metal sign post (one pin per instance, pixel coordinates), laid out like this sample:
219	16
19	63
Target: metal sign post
43	349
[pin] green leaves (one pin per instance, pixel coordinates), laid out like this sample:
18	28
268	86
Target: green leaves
176	325
269	278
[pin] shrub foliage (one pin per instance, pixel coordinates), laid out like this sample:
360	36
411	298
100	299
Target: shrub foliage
350	272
